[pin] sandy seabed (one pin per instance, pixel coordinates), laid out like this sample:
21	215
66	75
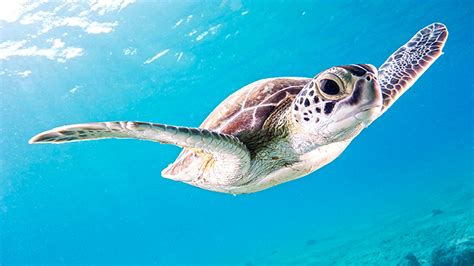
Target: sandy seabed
436	231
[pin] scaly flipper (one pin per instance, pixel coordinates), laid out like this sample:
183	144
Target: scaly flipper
223	147
410	61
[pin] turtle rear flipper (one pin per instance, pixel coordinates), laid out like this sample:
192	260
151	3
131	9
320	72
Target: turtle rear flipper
229	153
410	61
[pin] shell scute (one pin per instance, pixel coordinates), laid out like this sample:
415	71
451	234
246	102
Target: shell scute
247	109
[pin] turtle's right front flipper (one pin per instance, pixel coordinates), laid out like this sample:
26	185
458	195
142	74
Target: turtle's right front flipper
410	61
222	147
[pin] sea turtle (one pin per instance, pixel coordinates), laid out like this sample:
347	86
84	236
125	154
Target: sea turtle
278	129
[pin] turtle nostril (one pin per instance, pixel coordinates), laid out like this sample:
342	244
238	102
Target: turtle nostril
368	78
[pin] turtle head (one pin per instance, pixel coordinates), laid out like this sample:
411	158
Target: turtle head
338	103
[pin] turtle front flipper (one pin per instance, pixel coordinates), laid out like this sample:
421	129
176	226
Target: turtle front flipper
410	61
222	147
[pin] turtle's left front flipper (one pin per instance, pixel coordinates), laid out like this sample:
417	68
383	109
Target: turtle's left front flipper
410	61
223	147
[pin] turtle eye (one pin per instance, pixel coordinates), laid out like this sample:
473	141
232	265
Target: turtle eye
329	87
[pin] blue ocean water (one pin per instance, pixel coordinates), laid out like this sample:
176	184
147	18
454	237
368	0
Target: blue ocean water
404	186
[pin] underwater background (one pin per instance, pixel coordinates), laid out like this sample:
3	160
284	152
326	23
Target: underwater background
402	193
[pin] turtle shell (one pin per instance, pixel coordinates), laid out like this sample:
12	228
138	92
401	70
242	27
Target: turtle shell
243	113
